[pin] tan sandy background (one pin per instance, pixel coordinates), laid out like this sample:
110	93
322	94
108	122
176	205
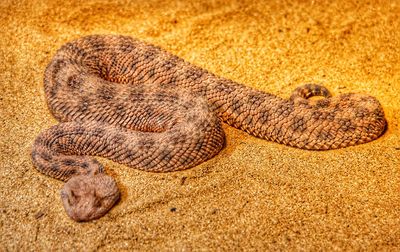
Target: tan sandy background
255	194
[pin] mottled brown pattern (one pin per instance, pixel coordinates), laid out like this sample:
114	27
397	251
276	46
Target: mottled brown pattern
138	105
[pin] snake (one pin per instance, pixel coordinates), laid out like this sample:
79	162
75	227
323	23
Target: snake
141	106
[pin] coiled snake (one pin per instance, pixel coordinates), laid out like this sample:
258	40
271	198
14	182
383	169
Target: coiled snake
138	105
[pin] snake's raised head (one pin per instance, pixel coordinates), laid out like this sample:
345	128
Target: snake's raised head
88	197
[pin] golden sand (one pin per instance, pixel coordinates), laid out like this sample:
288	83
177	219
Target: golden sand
255	194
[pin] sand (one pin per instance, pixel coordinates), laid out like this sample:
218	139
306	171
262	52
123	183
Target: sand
255	194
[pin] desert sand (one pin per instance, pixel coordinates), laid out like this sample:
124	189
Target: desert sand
255	194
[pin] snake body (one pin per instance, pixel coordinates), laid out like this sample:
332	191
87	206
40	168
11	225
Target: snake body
138	105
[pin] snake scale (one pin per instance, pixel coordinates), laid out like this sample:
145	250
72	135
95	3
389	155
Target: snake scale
138	105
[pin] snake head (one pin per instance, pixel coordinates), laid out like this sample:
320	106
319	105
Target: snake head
88	197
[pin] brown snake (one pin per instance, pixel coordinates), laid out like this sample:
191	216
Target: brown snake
138	105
